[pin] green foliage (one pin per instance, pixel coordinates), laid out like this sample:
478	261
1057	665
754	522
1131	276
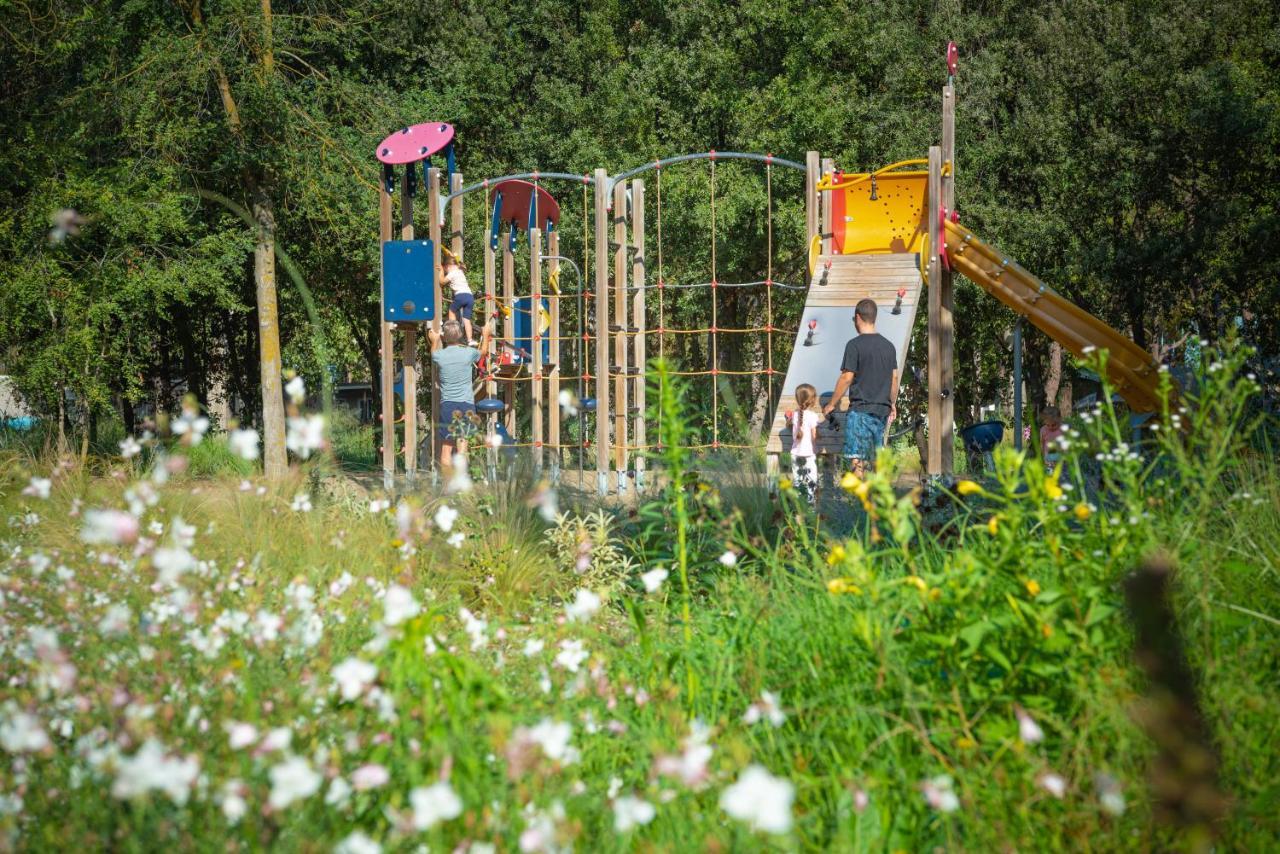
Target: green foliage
587	547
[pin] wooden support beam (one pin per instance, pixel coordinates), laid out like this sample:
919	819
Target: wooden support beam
433	231
946	283
602	330
536	399
410	350
939	430
553	375
812	174
828	166
620	340
387	356
455	216
509	331
490	308
639	279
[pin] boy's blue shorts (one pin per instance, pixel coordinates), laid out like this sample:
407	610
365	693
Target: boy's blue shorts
863	434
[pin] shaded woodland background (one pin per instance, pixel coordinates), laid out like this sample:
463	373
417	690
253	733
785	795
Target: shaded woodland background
1125	152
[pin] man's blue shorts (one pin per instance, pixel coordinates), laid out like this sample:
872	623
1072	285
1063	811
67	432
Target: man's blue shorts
863	434
449	410
463	304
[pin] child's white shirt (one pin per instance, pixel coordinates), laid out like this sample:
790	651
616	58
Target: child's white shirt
457	281
802	426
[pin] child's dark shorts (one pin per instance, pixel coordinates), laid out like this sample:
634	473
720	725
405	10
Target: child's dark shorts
463	304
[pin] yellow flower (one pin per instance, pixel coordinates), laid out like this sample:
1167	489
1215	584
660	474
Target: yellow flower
1082	511
838	555
968	487
1046	630
850	482
993	525
784	483
836	586
966	743
918	582
1033	587
1051	487
935	594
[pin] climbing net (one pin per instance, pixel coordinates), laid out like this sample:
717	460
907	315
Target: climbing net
647	321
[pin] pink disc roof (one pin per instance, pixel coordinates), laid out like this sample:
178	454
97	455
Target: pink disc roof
414	143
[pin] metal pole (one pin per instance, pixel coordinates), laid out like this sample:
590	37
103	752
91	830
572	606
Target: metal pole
1017	384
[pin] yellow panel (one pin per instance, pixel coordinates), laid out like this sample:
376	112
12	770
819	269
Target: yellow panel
892	222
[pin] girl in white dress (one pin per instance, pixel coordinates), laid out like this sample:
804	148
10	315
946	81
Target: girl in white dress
804	438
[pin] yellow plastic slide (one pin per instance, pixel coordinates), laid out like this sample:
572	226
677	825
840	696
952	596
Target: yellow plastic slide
1132	370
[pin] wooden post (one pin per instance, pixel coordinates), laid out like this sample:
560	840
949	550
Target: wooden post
410	350
947	333
433	231
509	330
602	330
490	307
387	352
535	343
828	167
620	341
455	212
939	430
812	173
638	279
553	373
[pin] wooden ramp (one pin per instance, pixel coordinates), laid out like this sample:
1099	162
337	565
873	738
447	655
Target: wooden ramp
820	349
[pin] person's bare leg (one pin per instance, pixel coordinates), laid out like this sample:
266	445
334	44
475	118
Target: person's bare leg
446	456
468	328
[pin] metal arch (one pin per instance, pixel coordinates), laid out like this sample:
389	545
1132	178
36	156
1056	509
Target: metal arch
629	173
706	155
531	176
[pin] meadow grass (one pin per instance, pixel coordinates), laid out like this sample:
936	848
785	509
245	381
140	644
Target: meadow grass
259	666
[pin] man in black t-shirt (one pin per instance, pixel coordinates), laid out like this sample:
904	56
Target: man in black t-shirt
870	373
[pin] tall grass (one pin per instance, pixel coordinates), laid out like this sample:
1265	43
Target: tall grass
917	684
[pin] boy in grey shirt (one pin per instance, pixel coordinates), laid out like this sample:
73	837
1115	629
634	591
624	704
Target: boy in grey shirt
456	363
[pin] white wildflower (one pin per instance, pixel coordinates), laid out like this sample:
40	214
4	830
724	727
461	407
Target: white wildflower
369	776
939	794
39	487
129	447
353	676
1052	783
766	708
108	526
398	605
292	780
434	804
240	735
296	389
357	843
151	769
244	443
630	812
445	517
572	654
760	799
305	434
729	558
21	732
583	607
1028	730
653	579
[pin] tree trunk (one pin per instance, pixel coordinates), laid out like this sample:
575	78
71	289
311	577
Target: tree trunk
1053	381
275	462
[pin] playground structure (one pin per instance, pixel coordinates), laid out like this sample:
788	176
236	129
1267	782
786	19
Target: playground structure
884	234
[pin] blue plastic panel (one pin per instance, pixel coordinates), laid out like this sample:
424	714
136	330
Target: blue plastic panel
408	281
523	322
